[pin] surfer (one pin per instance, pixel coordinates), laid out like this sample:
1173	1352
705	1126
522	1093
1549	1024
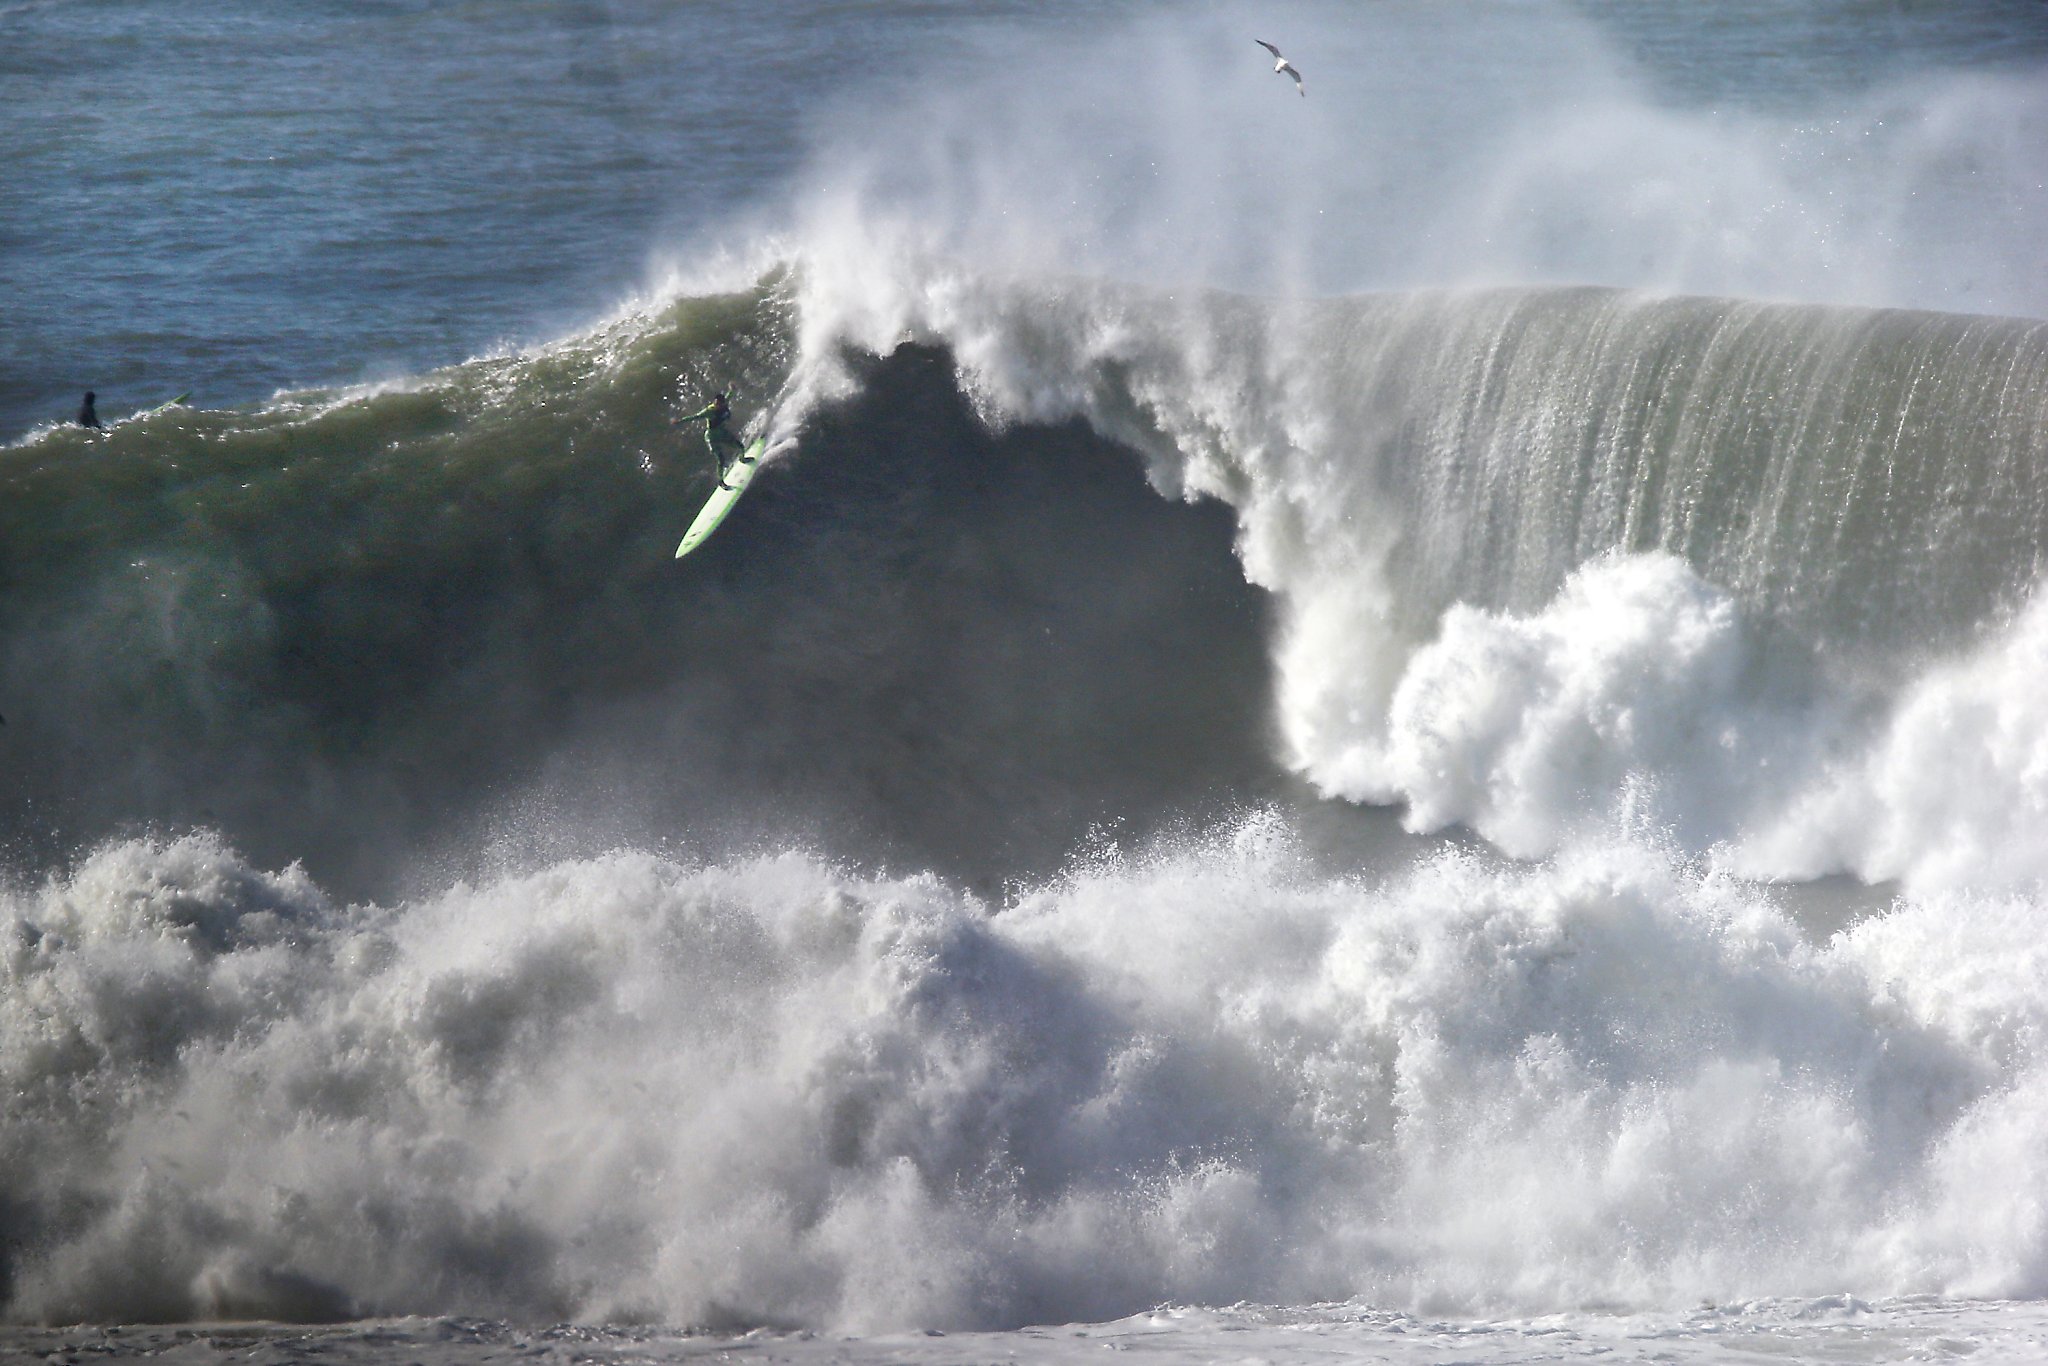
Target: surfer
716	434
86	416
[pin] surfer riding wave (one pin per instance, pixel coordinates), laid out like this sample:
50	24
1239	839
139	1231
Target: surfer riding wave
717	436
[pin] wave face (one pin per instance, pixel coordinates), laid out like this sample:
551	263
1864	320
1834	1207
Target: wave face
398	634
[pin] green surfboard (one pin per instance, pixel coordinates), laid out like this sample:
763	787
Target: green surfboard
721	501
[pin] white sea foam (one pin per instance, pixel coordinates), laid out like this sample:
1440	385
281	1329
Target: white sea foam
1952	789
1521	727
781	1092
1827	1328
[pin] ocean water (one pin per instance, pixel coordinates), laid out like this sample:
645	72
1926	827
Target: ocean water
1403	723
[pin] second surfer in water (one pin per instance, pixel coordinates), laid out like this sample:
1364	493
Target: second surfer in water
717	435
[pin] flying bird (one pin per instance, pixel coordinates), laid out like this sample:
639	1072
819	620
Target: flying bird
1281	64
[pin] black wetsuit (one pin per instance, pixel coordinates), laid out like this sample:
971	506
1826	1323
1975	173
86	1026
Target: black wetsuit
716	436
86	416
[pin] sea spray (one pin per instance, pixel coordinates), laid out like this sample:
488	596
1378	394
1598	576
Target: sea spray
1536	149
777	1091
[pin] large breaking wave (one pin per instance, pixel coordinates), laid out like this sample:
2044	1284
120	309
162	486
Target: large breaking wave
1758	573
973	889
1540	555
1659	593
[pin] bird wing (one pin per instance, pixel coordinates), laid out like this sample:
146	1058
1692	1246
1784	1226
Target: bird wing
1269	47
1288	67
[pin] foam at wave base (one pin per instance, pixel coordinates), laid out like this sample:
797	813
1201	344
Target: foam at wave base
779	1092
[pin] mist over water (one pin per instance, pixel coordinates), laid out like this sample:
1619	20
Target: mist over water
1549	144
1423	696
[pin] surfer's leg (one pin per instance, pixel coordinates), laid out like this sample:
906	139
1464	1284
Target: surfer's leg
719	439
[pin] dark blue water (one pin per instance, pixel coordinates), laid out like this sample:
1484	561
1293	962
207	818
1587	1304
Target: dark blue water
240	197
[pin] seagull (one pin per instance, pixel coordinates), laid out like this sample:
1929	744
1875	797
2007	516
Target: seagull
1281	64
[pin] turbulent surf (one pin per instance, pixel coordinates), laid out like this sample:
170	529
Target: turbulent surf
1222	762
